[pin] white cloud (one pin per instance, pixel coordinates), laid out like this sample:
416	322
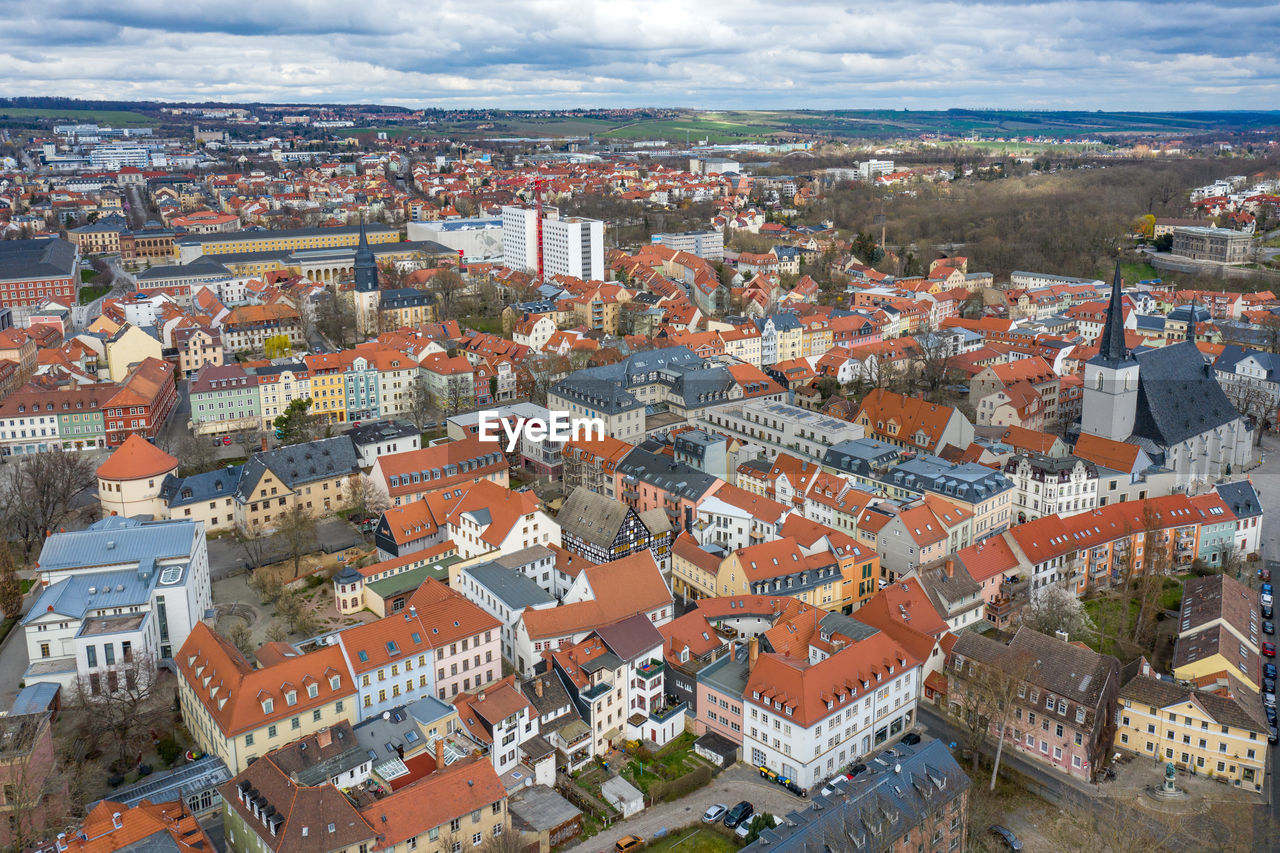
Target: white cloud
562	53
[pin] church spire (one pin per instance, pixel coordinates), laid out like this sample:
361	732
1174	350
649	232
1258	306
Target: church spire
365	268
1191	322
1111	344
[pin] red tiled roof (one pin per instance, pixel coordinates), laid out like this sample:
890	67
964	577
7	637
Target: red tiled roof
137	459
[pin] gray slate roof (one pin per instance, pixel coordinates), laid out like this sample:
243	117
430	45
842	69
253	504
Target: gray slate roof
298	464
1245	713
674	477
886	802
512	588
1168	377
632	637
592	518
50	258
1241	498
211	485
541	809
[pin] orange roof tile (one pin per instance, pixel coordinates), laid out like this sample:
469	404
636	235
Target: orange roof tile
137	459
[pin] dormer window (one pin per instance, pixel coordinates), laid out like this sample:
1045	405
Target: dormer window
334	682
313	690
291	697
268	706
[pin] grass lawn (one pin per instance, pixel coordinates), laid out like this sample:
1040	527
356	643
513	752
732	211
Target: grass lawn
114	118
92	292
1134	272
696	839
482	323
87	276
26	584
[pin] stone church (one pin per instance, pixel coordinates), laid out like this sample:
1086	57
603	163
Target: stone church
1166	400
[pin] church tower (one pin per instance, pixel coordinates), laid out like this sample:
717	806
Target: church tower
366	268
367	295
1111	378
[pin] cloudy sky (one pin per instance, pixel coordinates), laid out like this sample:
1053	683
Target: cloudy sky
1149	55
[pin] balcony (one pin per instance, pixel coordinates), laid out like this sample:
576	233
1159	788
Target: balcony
667	712
650	670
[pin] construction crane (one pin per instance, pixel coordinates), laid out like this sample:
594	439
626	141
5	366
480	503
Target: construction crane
538	185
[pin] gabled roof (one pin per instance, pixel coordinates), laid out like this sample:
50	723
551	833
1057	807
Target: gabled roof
233	692
303	814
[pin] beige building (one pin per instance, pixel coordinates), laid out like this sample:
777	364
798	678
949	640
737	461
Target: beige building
239	713
1222	737
129	347
1221	245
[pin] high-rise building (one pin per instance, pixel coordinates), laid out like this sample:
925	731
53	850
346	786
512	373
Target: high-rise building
520	238
570	246
574	247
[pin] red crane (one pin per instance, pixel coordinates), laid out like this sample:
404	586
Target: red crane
538	185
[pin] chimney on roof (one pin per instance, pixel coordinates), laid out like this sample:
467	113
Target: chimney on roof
753	653
439	753
950	568
324	737
537	688
264	443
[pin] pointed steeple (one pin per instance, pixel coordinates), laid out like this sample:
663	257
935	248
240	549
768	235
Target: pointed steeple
365	268
1191	322
1111	344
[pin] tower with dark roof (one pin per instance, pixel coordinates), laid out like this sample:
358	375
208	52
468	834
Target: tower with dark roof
366	268
1111	377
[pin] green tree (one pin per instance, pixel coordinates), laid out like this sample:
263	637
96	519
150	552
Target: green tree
296	425
864	246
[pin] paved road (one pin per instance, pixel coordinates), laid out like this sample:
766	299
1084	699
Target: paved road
1266	480
733	785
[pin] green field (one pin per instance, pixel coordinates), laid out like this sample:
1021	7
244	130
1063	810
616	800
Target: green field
112	118
1016	148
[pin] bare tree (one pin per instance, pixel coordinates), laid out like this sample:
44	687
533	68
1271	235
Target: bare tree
241	637
39	492
268	586
1253	401
447	285
253	541
293	609
1002	685
1157	548
118	702
10	588
336	319
298	529
932	363
508	842
196	455
421	403
35	787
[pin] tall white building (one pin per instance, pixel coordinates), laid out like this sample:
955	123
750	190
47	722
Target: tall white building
574	247
520	238
571	246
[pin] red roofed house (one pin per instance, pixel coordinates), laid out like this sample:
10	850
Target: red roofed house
129	481
142	404
791	706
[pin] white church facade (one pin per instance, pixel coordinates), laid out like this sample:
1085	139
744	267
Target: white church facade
1165	400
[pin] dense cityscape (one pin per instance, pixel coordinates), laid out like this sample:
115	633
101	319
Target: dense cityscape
439	478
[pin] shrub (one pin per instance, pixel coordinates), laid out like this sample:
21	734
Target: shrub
168	750
681	786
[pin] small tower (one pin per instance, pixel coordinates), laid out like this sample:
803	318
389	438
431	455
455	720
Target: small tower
1111	378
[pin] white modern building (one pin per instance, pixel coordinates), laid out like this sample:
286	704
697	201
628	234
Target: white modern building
520	238
575	247
117	600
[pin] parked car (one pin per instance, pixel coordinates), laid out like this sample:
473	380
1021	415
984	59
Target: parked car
856	769
1266	589
1265	574
1265	600
1269	699
226	441
1268	685
738	814
1268	627
1271	715
744	829
714	814
1269	670
1267	612
217	442
911	738
1011	841
1269	649
1272	737
628	842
